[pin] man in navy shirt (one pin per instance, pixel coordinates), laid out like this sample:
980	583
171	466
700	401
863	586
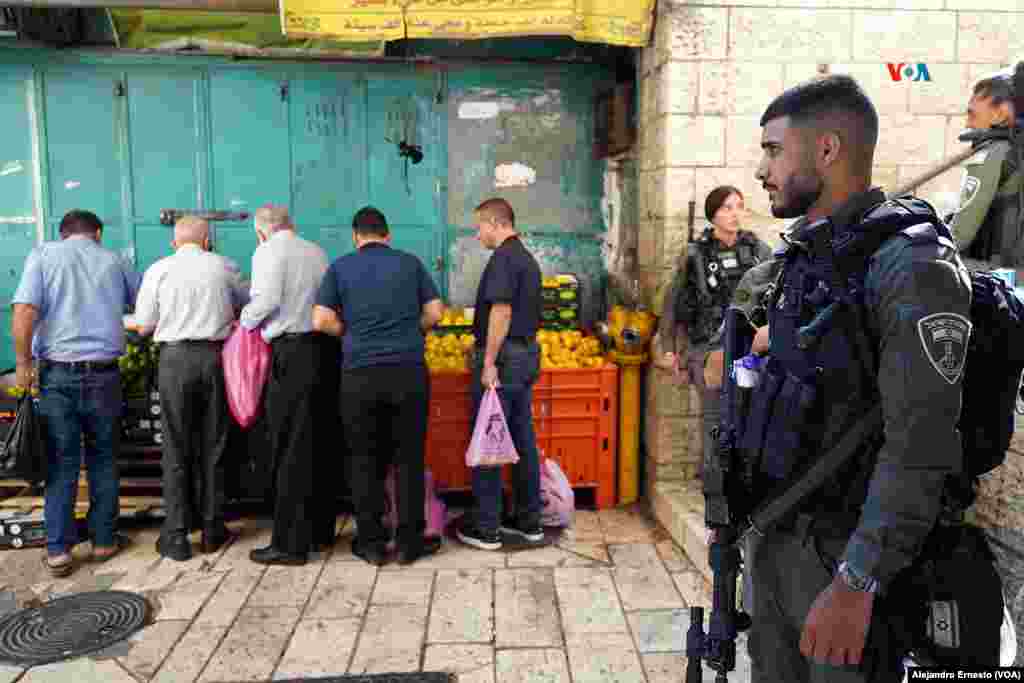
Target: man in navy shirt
507	357
381	301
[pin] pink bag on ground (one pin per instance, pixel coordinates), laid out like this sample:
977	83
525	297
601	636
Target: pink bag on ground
559	501
434	511
246	359
491	444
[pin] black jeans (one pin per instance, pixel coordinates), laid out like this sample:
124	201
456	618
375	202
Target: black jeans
385	415
330	450
194	412
291	399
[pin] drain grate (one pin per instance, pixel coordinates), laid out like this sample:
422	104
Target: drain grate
70	627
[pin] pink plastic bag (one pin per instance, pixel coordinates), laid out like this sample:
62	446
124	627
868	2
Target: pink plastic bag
246	359
559	501
491	444
434	511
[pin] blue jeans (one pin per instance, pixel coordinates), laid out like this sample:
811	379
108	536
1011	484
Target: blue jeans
76	404
518	368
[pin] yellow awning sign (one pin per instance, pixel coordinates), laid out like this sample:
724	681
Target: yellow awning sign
616	22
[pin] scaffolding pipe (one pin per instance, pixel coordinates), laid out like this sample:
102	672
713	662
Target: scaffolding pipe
255	6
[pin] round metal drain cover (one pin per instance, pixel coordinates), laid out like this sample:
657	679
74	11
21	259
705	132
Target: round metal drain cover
70	627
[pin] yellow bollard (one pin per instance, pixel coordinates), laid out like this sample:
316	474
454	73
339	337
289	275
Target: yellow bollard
629	424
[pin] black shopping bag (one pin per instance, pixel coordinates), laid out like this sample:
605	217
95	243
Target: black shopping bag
23	453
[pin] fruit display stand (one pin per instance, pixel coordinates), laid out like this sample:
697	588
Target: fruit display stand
575	415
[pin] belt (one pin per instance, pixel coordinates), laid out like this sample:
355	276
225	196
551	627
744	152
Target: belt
194	342
291	336
524	341
81	365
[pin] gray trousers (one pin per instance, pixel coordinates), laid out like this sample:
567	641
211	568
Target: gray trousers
195	423
789	571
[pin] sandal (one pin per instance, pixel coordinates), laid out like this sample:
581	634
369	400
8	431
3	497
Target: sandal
59	570
120	543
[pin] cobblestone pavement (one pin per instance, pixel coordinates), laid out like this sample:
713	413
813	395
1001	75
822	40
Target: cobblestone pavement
606	603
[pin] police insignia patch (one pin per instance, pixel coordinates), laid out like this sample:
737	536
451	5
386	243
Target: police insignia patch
944	337
969	191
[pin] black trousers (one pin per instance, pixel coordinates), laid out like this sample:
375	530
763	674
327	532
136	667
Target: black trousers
194	413
384	411
330	451
290	402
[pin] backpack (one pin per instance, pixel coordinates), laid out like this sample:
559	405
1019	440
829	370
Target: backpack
995	353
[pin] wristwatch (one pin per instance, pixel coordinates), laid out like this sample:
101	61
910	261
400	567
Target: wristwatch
855	580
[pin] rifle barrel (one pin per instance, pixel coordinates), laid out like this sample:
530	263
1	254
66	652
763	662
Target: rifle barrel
933	172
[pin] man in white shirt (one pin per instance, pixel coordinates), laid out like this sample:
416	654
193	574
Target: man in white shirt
286	275
188	302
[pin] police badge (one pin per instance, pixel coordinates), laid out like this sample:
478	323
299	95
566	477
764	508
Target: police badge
944	337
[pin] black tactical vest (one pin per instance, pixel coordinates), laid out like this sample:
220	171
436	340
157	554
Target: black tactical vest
820	373
718	270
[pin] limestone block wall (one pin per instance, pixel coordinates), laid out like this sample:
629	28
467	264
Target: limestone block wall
705	80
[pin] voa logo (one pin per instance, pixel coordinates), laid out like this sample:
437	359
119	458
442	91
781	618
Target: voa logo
908	72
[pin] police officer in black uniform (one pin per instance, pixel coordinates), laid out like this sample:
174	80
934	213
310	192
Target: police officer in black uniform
821	577
701	291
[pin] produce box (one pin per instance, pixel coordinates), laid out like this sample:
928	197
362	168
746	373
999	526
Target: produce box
561	295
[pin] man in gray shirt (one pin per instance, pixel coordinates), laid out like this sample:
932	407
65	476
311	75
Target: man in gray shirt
188	301
286	274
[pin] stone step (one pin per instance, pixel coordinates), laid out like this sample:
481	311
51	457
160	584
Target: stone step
679	507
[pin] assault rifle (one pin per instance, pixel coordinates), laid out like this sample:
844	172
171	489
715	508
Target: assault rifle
729	512
725	479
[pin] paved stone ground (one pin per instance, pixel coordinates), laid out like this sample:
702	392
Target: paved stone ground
607	603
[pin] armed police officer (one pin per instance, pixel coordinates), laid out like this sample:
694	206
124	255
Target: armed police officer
987	224
701	291
895	338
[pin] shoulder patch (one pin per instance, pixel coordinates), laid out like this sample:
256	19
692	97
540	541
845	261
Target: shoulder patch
968	191
944	338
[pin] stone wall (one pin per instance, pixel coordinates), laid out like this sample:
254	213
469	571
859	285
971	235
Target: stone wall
704	82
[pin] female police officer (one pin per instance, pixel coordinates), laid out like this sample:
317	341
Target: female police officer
702	289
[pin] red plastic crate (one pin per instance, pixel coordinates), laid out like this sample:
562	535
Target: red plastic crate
575	415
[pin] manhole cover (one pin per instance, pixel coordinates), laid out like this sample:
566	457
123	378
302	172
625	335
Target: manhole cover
70	627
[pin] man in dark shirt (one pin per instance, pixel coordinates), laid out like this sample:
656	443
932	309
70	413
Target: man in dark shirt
507	357
381	302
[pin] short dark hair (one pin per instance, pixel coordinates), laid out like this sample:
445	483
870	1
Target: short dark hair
499	210
370	222
998	87
79	222
717	197
837	102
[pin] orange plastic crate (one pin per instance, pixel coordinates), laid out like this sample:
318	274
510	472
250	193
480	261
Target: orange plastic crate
575	414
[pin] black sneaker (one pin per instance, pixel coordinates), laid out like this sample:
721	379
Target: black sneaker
472	535
530	533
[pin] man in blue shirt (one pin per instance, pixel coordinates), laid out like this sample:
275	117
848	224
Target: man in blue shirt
381	301
68	316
